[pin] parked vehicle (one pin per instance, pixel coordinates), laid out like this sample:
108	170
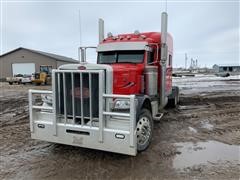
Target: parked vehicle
110	105
44	76
26	79
15	79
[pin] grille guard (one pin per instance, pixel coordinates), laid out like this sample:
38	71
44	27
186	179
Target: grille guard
114	132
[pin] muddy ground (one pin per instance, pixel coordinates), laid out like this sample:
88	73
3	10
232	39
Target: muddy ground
199	139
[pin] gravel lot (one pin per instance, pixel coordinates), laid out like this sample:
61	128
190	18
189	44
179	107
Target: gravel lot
200	139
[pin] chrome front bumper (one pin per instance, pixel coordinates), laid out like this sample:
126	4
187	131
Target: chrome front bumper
112	131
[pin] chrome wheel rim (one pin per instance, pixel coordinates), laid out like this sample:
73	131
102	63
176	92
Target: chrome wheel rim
143	130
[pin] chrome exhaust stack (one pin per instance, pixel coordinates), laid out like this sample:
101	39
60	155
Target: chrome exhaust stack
82	51
101	30
82	54
164	55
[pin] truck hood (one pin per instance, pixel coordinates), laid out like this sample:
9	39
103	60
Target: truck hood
127	78
122	78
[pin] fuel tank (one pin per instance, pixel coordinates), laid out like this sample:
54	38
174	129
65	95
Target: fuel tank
151	80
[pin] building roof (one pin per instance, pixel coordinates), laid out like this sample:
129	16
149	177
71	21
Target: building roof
228	65
54	56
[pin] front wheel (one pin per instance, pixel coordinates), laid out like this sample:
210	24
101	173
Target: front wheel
144	130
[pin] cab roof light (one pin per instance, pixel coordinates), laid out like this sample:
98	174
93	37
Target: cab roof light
109	35
121	37
136	32
142	36
114	37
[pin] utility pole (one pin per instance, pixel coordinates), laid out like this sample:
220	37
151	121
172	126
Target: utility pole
186	61
191	66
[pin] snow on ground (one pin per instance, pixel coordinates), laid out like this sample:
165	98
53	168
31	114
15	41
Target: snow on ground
206	83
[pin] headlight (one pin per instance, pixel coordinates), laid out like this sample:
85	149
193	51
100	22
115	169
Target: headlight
47	99
121	104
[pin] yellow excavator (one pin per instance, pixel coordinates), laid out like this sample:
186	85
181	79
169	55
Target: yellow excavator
44	76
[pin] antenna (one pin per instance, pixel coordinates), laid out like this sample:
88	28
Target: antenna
80	28
80	36
166	6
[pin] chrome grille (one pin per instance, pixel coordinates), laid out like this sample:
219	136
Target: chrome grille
77	95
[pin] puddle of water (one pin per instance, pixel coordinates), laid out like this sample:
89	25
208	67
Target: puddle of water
205	124
205	152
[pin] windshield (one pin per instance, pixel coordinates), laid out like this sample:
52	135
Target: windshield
120	57
46	69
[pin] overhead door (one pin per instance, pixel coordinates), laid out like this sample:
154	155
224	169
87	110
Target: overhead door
23	68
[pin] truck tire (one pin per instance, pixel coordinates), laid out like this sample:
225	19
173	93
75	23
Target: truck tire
144	129
10	83
173	99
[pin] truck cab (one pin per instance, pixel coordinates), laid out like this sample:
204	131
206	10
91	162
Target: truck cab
110	105
133	58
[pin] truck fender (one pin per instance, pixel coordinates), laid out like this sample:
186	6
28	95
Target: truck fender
143	102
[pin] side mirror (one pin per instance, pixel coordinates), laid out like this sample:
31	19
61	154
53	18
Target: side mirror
82	51
148	48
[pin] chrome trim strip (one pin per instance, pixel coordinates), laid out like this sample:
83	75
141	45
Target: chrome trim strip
42	107
81	96
54	109
64	97
30	110
132	121
116	96
78	71
119	46
90	97
73	98
59	92
100	82
116	114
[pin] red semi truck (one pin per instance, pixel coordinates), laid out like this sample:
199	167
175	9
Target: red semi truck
110	105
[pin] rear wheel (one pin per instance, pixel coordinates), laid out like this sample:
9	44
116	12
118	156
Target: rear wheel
144	130
10	83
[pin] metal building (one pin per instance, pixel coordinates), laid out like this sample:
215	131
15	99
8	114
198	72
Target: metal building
226	69
27	61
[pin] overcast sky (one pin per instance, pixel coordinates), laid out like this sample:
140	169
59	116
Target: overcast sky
207	31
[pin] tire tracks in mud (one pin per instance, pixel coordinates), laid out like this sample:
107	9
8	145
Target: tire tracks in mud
13	111
23	157
220	113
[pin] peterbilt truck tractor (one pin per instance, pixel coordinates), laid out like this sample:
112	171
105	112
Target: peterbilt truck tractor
110	105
